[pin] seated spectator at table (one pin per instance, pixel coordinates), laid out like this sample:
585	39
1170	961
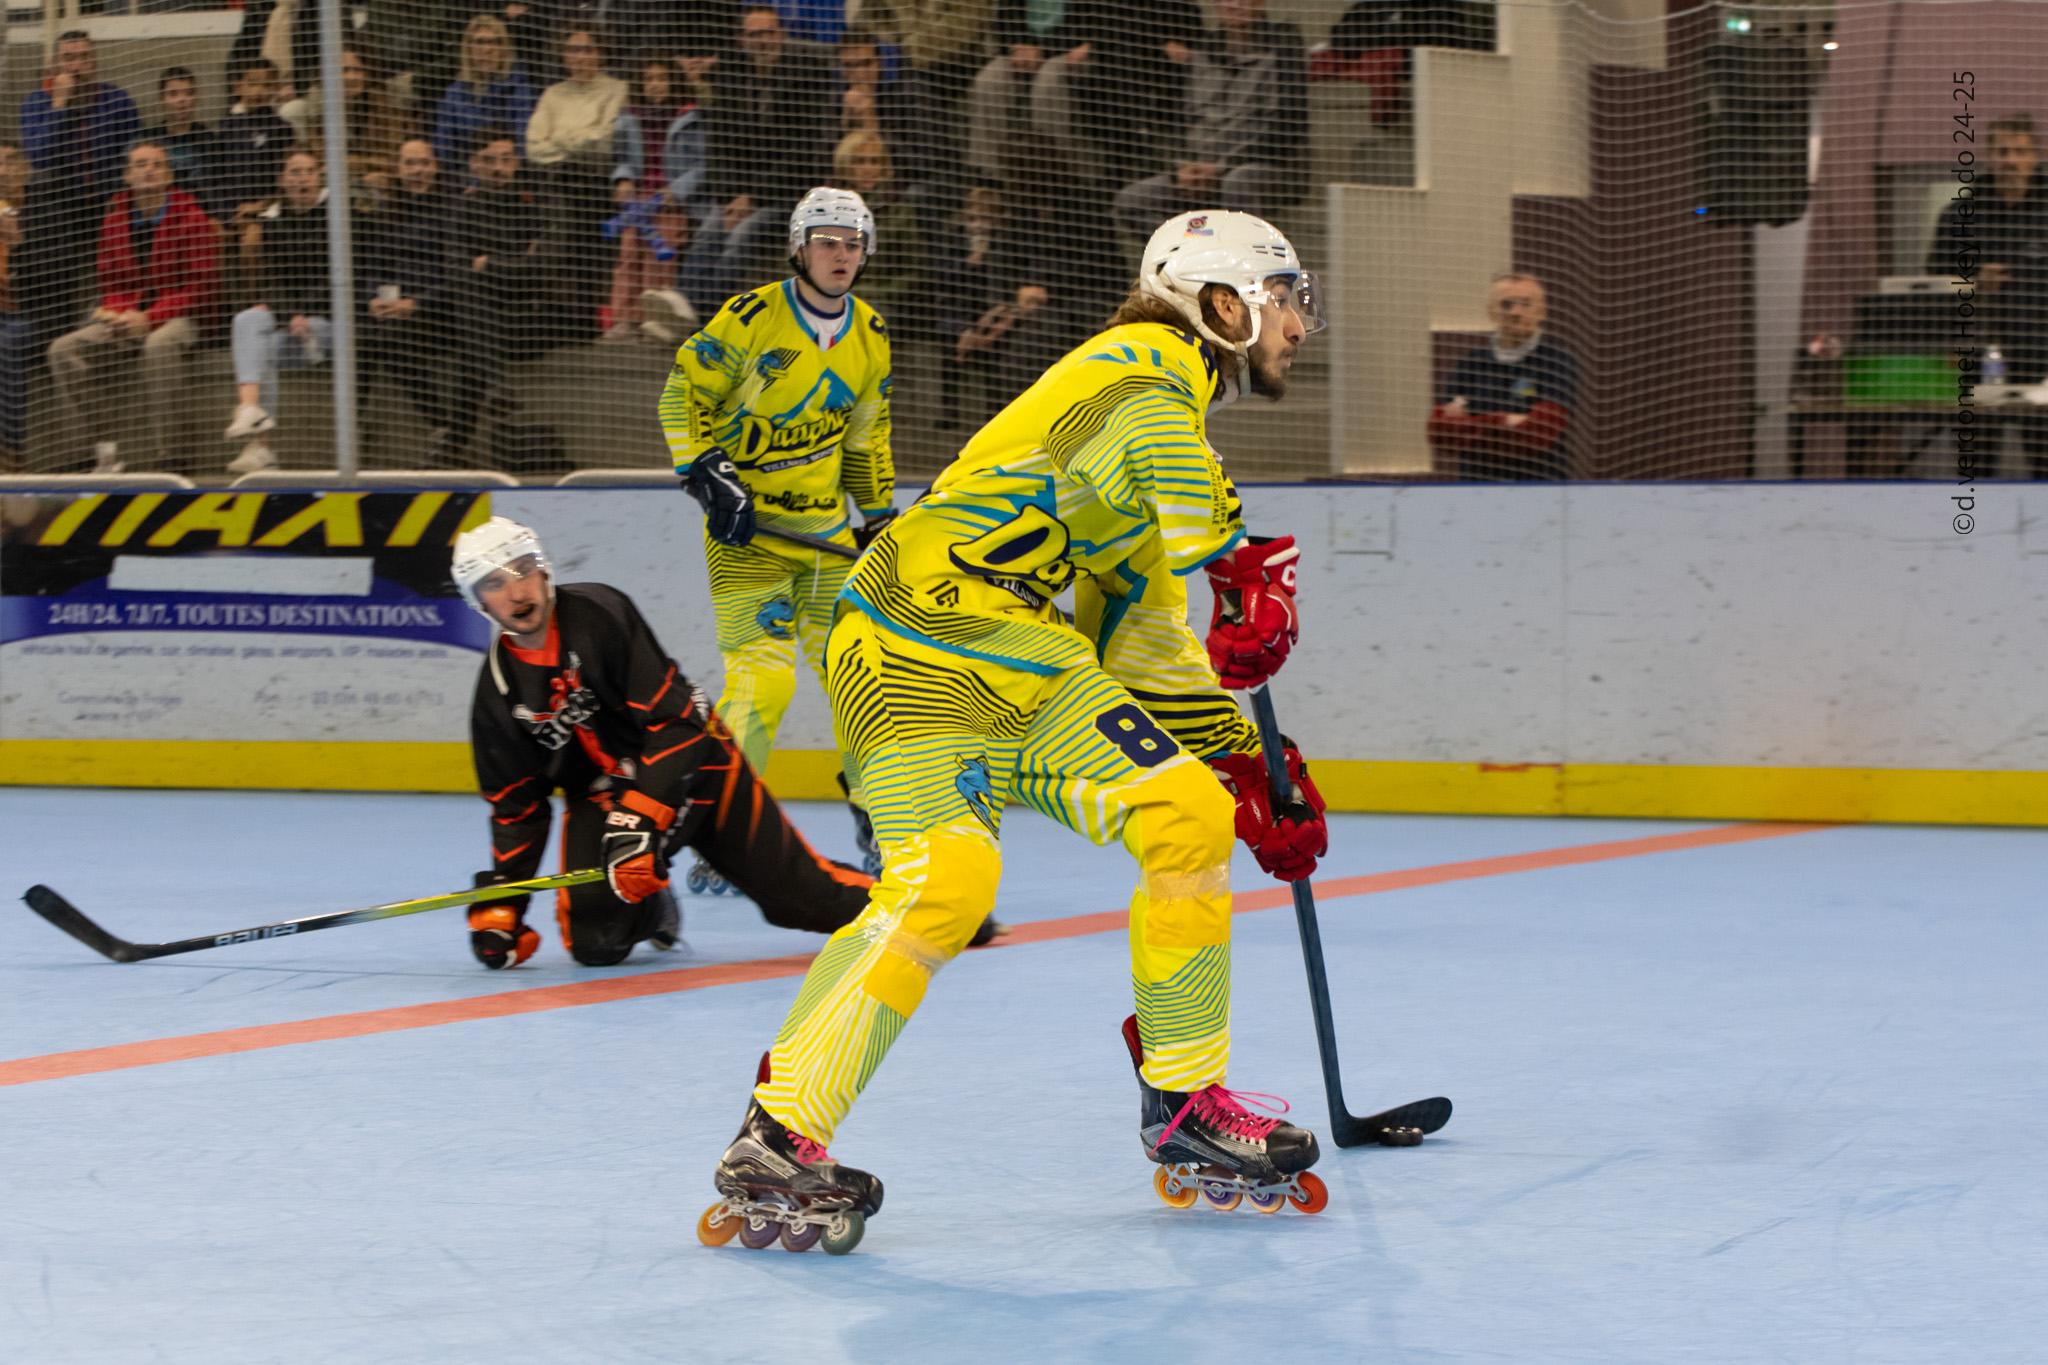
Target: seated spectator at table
403	277
1246	144
1506	411
159	279
189	141
2003	232
288	327
14	320
660	193
374	127
490	92
250	146
76	124
494	277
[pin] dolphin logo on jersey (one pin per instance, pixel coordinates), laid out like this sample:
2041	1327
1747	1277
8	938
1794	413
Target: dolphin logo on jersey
839	397
774	364
778	618
976	787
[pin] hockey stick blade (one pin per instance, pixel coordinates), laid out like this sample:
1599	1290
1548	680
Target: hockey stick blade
1404	1125
72	921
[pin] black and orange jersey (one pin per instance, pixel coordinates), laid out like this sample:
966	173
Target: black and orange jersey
599	700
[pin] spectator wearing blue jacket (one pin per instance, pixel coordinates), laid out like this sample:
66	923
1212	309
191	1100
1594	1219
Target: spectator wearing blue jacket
77	125
490	92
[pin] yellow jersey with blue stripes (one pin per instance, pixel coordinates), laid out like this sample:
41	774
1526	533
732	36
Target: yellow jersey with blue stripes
801	406
1098	477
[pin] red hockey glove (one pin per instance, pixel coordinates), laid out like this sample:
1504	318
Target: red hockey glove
634	862
1254	623
1288	840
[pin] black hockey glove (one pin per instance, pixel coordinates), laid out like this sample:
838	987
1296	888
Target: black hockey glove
714	482
865	533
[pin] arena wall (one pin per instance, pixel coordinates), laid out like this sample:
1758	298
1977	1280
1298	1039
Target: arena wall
1810	652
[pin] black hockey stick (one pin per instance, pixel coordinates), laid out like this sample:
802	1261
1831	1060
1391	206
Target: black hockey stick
1403	1125
73	921
810	542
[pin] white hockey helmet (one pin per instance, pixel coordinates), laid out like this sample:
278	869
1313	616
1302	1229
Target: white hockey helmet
1237	250
491	548
828	207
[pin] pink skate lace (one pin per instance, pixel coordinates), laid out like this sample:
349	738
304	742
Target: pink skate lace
807	1151
1224	1110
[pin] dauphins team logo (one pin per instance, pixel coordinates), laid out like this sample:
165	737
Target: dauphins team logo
777	618
976	787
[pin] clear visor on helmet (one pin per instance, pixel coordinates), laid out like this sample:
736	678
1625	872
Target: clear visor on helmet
830	238
503	576
1303	294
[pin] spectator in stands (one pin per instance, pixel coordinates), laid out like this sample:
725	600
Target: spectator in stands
14	321
285	33
704	33
159	277
775	88
189	141
868	102
284	261
1032	38
1007	308
250	146
418	43
1506	411
490	92
76	124
945	42
1247	125
374	127
2005	233
894	283
569	144
1139	67
659	190
494	266
404	278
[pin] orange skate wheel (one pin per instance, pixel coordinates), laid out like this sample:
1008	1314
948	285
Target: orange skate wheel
1182	1198
718	1226
1314	1196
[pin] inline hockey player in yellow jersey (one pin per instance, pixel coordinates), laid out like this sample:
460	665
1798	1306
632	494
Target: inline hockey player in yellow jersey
777	414
958	686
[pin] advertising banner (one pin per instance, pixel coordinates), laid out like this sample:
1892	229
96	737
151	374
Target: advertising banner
271	616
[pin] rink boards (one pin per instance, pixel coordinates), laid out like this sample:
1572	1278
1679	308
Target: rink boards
1814	652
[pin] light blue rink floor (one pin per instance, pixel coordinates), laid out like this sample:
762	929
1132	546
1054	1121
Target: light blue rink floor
1772	1100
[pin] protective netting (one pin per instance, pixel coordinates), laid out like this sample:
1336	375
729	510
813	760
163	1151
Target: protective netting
546	198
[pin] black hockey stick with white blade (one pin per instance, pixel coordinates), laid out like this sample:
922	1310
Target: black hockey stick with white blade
74	922
1404	1125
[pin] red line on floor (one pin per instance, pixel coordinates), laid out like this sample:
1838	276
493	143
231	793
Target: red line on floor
600	990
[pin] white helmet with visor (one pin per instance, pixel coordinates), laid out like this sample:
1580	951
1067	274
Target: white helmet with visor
500	546
1240	251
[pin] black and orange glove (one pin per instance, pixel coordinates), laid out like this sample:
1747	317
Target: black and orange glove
634	862
497	931
1285	836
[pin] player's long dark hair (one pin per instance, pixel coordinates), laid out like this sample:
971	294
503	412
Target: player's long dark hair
1139	306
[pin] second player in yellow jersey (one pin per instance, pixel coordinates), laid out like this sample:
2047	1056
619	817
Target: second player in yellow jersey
777	416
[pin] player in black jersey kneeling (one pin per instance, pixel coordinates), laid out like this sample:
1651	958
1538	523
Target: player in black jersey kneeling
577	695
